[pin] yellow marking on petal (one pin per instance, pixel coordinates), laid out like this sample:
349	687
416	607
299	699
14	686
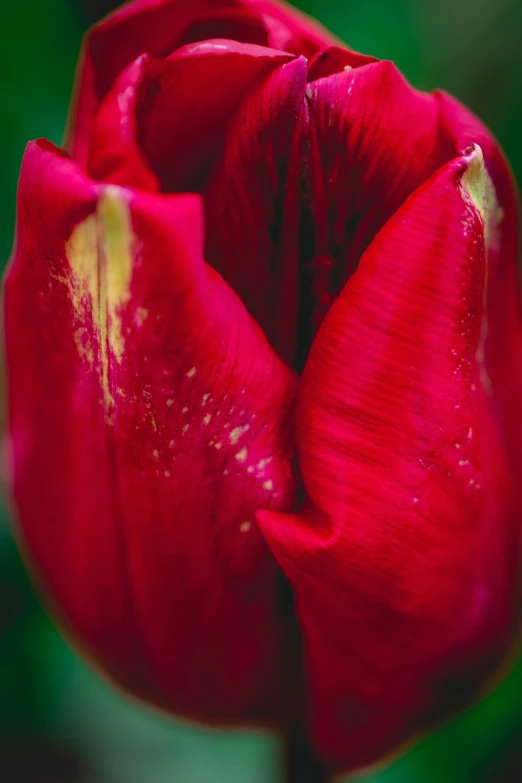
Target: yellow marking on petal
237	432
242	455
245	526
141	315
82	253
99	252
115	223
478	192
83	342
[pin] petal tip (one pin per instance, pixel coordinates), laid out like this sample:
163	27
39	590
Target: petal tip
478	190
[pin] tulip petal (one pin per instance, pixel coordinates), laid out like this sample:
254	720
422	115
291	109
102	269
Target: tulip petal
235	23
148	420
252	203
157	28
188	101
373	140
114	153
291	29
405	564
503	347
334	59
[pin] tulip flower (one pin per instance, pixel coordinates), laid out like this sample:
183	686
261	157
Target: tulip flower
264	333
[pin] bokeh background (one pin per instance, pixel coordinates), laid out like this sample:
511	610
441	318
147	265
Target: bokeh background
59	723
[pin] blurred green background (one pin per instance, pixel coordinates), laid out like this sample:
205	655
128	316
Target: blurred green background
58	721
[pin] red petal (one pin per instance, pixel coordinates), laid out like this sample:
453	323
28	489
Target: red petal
188	102
148	420
503	347
334	59
157	28
273	24
252	203
239	23
373	140
404	570
150	27
292	30
114	154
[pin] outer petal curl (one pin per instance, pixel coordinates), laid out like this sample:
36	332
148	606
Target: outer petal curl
405	564
158	27
148	421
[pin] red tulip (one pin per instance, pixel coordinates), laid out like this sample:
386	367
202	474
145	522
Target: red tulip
263	323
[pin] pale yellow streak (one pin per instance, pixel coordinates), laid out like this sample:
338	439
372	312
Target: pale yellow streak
82	254
116	231
99	252
479	193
